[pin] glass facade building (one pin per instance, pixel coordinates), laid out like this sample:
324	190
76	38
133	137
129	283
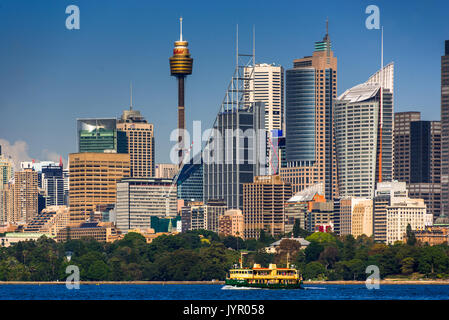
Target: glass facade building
190	182
100	135
300	120
235	154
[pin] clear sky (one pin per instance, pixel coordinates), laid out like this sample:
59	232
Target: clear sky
49	76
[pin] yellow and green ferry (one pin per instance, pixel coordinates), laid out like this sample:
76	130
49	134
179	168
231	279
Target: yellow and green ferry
265	278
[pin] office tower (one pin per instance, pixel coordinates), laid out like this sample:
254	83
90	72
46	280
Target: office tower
7	204
140	142
190	182
93	179
139	199
235	154
445	130
65	175
231	223
200	216
394	210
311	88
363	120
356	216
180	67
264	205
425	164
166	170
6	195
100	135
268	87
53	184
25	195
6	170
402	121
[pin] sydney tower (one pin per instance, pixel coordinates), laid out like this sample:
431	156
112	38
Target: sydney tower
181	66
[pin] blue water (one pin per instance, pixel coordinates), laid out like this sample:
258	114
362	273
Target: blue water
216	292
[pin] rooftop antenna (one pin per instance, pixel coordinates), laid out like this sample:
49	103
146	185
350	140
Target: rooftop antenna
180	28
381	99
131	96
254	45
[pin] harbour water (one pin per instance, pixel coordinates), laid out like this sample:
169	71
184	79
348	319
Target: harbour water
220	292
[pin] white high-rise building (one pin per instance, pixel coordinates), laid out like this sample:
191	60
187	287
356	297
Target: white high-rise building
364	135
394	210
268	87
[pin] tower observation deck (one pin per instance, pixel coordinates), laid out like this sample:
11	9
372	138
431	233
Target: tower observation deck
180	66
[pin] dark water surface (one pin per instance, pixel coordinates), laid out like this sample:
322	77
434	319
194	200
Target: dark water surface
216	292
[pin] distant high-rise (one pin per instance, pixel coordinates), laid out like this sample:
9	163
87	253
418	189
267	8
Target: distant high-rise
53	184
356	216
264	205
93	179
100	135
166	170
25	195
425	164
228	167
190	182
445	130
140	142
311	88
364	152
6	170
402	121
268	87
139	199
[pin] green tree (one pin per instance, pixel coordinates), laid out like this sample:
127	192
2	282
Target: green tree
407	265
314	270
410	235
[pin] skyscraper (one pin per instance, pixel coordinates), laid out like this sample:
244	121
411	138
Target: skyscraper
235	154
425	164
53	184
264	205
93	179
100	135
363	118
311	88
140	142
402	121
445	130
25	195
139	199
268	87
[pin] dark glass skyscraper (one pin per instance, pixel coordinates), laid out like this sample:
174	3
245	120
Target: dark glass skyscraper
425	164
445	130
235	154
311	87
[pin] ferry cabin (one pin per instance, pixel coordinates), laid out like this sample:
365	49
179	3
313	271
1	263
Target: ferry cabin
270	275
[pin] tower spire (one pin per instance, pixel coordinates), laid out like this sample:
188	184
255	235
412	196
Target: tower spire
131	96
180	29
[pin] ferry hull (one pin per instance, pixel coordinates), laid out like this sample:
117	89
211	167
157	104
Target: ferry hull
245	284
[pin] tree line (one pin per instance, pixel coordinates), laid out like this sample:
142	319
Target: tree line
204	255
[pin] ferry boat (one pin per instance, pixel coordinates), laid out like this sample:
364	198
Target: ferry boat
265	278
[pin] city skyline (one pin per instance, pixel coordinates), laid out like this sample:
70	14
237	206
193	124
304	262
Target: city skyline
50	95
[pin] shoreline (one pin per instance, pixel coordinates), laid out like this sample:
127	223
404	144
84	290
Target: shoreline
382	282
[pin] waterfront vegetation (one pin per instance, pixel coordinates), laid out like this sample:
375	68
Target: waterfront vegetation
203	255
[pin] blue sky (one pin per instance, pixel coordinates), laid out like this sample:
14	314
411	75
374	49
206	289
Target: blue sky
49	76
